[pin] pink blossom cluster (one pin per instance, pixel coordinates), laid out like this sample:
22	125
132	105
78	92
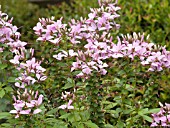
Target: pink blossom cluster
99	22
93	34
130	46
162	118
68	97
49	30
30	71
27	103
150	54
9	34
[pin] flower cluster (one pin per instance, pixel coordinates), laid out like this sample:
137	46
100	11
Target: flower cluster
150	54
94	36
49	30
99	22
9	34
162	118
94	32
30	68
68	97
30	71
27	103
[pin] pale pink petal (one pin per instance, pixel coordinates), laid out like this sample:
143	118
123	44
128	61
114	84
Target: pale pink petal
62	107
70	107
40	99
37	111
13	111
25	112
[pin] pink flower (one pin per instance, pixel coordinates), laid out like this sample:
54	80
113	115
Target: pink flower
38	29
76	65
15	60
72	53
37	102
67	106
18	111
17	84
87	70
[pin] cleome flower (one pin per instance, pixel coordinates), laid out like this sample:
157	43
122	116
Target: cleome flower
27	103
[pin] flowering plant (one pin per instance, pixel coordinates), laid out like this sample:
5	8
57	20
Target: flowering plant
83	87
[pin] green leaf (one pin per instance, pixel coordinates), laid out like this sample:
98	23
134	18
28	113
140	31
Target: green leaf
120	124
2	93
2	85
121	72
50	120
128	111
59	126
149	119
111	105
51	111
74	117
155	110
69	80
140	81
143	111
68	85
54	123
5	125
147	111
124	63
111	111
11	79
85	115
4	115
3	66
8	89
109	126
4	45
90	124
80	126
65	116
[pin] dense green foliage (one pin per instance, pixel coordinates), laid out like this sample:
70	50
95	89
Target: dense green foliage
150	16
